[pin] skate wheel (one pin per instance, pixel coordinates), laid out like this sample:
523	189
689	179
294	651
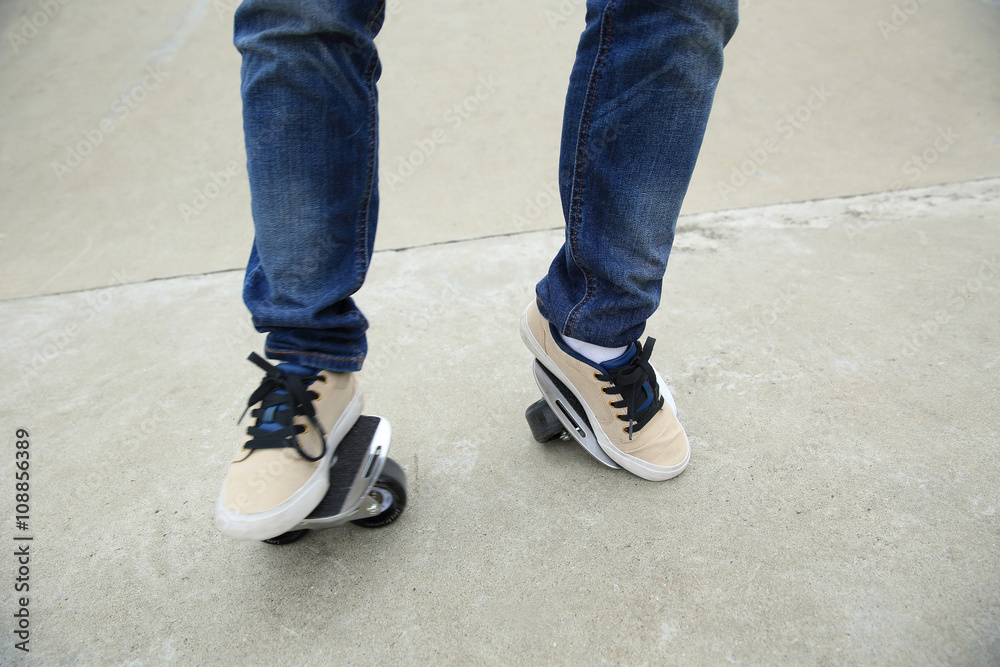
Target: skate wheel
287	538
390	493
544	424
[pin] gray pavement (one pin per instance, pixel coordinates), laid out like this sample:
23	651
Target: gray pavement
829	329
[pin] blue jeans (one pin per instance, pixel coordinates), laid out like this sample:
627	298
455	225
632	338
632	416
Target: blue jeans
638	102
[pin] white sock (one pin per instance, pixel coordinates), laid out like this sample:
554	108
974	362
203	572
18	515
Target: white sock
595	353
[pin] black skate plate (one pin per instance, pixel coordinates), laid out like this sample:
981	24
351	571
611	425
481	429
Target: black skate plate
351	454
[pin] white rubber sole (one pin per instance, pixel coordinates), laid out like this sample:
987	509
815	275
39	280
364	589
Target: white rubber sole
287	515
636	466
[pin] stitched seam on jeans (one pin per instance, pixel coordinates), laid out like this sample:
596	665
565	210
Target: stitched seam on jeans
363	217
603	47
269	350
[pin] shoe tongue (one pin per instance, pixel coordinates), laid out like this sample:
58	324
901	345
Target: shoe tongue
267	420
622	360
297	369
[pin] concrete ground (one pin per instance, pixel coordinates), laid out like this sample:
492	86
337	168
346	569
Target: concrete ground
830	331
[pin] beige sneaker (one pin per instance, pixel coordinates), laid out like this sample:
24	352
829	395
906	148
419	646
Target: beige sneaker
281	472
623	399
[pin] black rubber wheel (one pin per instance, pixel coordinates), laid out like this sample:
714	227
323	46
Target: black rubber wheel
543	422
390	490
287	538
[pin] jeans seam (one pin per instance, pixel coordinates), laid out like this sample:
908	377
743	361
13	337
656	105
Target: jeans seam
269	350
364	221
576	205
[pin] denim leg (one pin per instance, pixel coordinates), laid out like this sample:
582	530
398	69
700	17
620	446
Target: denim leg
639	98
311	127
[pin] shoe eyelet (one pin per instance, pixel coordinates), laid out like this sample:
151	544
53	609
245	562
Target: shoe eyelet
322	378
305	430
597	376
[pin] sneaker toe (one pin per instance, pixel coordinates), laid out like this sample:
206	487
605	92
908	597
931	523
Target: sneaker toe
265	480
663	448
